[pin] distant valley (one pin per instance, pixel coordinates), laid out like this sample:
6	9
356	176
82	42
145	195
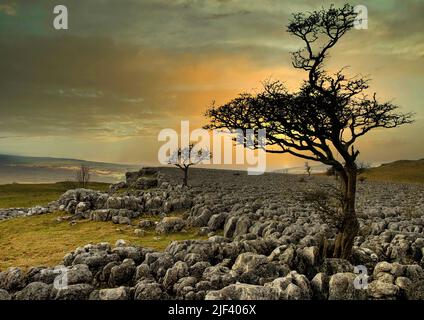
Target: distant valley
22	169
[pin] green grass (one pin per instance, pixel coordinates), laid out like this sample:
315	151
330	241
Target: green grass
42	240
410	171
28	195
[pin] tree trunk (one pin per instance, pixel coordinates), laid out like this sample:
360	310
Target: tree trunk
350	226
185	180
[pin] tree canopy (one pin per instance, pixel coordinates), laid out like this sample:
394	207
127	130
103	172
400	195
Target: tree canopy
321	121
329	112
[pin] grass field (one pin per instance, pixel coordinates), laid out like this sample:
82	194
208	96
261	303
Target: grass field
411	171
42	240
28	195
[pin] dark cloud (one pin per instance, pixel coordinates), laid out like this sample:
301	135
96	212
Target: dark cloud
129	68
8	9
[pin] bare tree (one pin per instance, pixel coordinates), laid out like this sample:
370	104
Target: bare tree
184	158
331	172
324	119
362	167
308	168
82	176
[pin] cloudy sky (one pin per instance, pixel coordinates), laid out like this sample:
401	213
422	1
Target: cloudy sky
103	89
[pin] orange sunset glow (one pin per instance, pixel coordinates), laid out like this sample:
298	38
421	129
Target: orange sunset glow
104	89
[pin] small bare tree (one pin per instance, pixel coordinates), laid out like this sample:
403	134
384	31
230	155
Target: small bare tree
184	158
331	172
362	167
83	176
308	168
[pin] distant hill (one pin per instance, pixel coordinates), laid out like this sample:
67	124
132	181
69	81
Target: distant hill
22	169
316	169
399	171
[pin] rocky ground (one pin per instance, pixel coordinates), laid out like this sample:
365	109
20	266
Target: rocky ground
21	212
264	242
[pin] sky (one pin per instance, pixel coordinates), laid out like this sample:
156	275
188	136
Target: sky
124	70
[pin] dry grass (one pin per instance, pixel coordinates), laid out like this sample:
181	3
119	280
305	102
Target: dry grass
42	240
28	195
398	171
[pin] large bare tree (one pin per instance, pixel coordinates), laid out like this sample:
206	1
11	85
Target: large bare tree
324	119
